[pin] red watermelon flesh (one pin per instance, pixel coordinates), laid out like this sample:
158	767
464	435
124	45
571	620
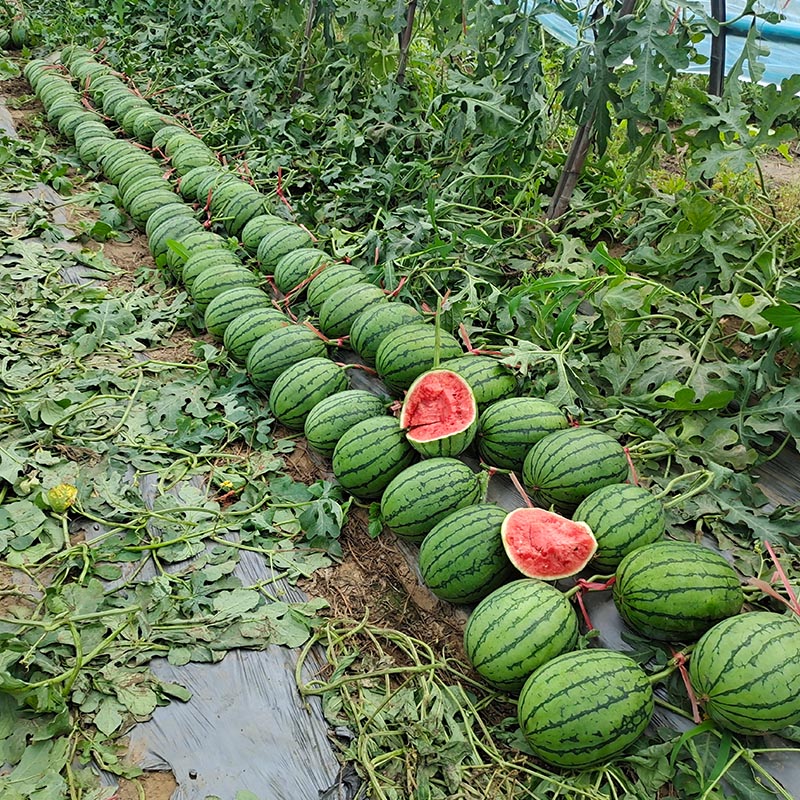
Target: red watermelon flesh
439	403
542	544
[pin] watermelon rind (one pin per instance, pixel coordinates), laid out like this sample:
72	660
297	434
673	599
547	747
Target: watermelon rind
331	418
462	559
623	518
508	428
295	267
276	351
425	493
374	323
585	707
243	331
675	591
333	277
428	397
342	307
213	282
301	386
226	307
369	455
566	466
745	670
516	629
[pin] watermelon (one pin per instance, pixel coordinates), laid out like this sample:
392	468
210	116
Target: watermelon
143	205
257	228
746	672
489	380
333	277
344	305
439	414
565	467
331	418
243	331
193	242
200	260
91	146
169	211
277	350
542	544
369	455
372	325
425	493
410	350
188	158
245	207
190	182
508	428
215	281
135	175
585	707
226	307
623	518
293	268
301	386
462	559
145	183
675	591
280	241
177	229
516	629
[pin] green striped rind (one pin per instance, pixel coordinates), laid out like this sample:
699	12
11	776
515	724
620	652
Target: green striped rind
162	137
192	242
516	629
462	559
293	268
143	205
333	277
746	671
451	444
565	467
333	417
374	323
344	305
509	428
189	158
207	258
301	386
91	145
244	209
585	707
369	455
279	242
190	183
226	307
243	331
490	380
257	228
623	517
675	591
425	493
176	228
276	351
409	350
168	211
215	281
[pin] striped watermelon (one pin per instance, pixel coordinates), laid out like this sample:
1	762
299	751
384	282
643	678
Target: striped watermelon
169	211
675	591
301	386
257	228
277	350
179	139
143	205
516	629
746	672
344	305
565	467
193	243
226	307
585	707
188	158
462	559
333	277
91	145
331	418
439	414
410	350
215	281
162	137
623	518
372	325
293	268
280	241
243	332
177	229
244	208
509	428
135	174
207	258
425	493
490	380
190	183
369	455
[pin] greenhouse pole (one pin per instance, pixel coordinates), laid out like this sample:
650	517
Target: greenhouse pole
716	70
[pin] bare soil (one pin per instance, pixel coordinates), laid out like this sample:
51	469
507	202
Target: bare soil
155	785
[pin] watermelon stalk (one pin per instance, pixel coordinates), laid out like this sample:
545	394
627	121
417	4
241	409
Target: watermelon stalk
702	480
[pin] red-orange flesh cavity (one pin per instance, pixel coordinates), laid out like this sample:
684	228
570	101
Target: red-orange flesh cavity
438	404
542	544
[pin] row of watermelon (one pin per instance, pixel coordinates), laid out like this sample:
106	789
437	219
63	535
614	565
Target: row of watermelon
419	496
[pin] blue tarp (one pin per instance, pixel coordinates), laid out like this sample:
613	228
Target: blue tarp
782	39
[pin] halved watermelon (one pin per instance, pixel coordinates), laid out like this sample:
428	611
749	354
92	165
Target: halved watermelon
439	415
542	544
